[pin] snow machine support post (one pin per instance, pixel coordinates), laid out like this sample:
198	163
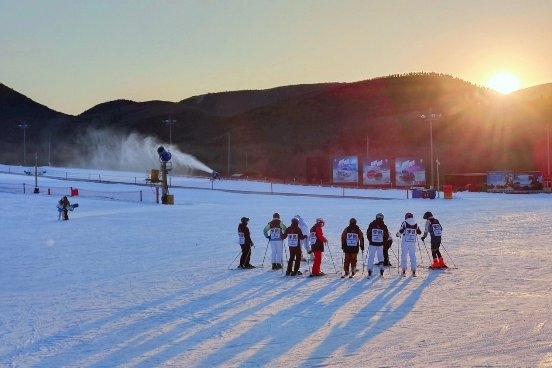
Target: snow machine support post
164	159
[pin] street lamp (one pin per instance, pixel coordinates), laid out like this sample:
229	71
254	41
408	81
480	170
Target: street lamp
431	116
170	122
24	126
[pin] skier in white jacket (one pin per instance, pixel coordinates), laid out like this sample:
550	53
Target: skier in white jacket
409	232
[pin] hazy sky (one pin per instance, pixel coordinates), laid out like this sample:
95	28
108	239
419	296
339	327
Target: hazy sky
71	55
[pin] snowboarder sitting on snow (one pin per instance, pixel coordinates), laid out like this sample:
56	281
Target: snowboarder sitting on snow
246	243
351	239
63	207
294	235
435	230
273	232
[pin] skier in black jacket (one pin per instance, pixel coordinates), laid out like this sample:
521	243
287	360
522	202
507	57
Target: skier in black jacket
352	239
246	243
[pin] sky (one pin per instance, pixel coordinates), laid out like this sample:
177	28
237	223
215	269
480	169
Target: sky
125	283
72	55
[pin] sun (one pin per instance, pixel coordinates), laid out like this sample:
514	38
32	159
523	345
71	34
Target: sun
503	82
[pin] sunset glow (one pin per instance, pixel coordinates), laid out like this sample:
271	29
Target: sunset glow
503	82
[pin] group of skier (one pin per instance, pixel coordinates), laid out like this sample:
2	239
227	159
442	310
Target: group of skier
300	237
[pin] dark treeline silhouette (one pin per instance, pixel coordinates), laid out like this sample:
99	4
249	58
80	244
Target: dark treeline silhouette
273	133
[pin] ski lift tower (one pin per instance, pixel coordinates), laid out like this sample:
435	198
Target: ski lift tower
164	159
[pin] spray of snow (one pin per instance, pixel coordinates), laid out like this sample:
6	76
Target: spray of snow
108	150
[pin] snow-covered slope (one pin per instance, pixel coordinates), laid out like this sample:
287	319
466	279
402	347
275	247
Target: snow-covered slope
135	284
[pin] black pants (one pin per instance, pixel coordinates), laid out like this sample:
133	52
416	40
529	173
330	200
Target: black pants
246	255
294	256
386	253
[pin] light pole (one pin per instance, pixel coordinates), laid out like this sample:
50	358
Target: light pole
438	164
548	151
24	126
431	116
170	122
229	136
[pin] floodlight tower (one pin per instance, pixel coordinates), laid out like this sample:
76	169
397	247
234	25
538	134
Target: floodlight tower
431	116
24	126
170	122
164	157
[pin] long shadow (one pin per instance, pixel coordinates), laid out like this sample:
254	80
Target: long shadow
276	345
366	329
89	337
163	332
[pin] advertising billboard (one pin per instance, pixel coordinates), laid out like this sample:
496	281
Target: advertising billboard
409	172
345	169
376	171
509	181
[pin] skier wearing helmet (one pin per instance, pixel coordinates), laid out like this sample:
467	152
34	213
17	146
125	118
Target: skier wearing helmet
408	232
246	243
317	241
435	230
377	235
273	232
294	235
351	239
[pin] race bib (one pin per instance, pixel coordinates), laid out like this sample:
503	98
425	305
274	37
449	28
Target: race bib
437	229
352	239
377	235
241	238
410	235
293	240
275	233
312	238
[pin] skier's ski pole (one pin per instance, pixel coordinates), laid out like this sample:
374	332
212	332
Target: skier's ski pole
362	262
448	255
420	249
399	252
428	256
398	262
343	262
284	251
331	256
262	264
234	259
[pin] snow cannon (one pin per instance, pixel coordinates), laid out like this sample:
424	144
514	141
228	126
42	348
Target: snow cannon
164	156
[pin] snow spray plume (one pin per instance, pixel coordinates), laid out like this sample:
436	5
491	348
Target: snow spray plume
109	150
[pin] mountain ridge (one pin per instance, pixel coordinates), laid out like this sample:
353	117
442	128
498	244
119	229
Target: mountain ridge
274	131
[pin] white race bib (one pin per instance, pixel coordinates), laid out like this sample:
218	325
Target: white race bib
437	229
410	235
241	238
293	240
312	238
275	233
352	239
377	236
